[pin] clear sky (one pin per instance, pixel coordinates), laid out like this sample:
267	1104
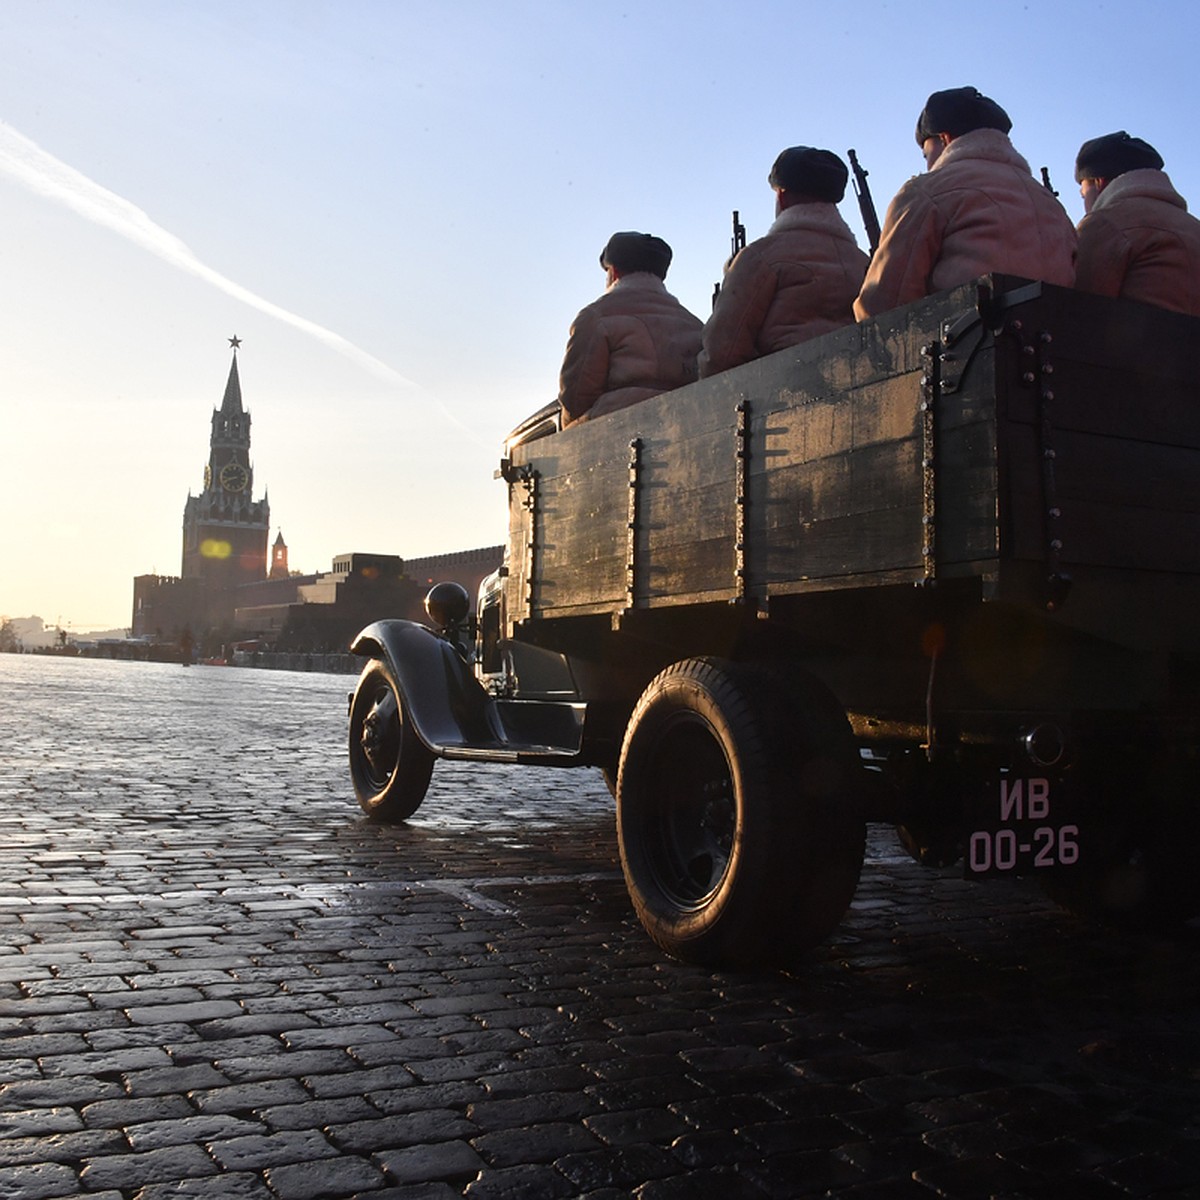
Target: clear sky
398	207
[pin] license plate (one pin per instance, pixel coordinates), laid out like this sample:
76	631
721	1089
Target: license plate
1019	828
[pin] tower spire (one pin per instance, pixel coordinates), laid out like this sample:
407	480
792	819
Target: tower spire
232	403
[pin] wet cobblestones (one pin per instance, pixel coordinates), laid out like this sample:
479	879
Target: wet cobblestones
218	981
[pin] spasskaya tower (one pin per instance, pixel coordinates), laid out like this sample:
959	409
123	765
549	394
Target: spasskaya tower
225	528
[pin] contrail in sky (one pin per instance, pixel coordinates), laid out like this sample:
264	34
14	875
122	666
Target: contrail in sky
46	175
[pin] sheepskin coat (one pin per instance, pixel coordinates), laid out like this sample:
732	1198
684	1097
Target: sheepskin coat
1140	242
977	209
632	343
797	281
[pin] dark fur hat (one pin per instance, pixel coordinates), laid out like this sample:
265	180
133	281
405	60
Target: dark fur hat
1112	155
960	110
818	173
631	251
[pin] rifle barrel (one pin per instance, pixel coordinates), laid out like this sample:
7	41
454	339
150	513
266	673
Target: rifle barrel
866	206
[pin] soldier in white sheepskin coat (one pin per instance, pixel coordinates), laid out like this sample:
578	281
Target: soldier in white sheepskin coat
1138	239
632	343
797	281
977	209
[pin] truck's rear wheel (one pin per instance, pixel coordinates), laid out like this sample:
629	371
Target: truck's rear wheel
738	813
389	764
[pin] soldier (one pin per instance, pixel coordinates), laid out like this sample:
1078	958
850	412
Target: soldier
1138	239
797	281
632	343
976	209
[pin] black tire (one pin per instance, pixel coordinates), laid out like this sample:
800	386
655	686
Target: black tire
389	764
738	813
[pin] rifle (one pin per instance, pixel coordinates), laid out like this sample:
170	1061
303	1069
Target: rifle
1046	182
736	243
866	205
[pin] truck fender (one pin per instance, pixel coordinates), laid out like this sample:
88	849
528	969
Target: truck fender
443	701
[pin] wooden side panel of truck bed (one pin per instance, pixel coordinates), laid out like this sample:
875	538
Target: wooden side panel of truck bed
1064	435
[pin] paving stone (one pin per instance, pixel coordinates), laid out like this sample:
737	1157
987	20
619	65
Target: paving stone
967	1176
459	1093
467	1066
883	1158
40	1045
360	1081
295	1063
314	1036
623	1166
39	1181
454	1161
118	998
255	1151
43	1005
818	1172
225	1186
327	1180
535	1144
125	1111
518	1183
154	1135
97	1062
249	1023
129	1171
61	1147
248	1096
777	1137
123	1035
317	1114
719	1183
637	1126
547	1108
524	1083
417	1191
163	1014
387	1133
177	1080
38	1122
659	1092
725	1112
52	1093
105	1195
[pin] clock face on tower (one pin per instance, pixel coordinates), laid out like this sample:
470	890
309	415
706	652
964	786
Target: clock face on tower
234	477
207	477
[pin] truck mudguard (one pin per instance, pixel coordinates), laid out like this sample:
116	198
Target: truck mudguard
442	699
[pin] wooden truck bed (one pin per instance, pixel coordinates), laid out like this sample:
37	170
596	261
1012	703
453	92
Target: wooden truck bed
1040	443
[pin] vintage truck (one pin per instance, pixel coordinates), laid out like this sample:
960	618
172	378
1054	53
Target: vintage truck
940	569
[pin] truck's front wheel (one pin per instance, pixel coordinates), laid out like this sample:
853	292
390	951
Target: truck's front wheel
738	813
389	764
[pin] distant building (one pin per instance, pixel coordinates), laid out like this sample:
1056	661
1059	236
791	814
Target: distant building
225	528
227	589
468	567
279	566
31	633
224	535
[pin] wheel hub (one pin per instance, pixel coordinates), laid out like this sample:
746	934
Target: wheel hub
378	737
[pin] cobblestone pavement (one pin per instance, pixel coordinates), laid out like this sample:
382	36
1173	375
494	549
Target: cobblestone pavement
217	980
